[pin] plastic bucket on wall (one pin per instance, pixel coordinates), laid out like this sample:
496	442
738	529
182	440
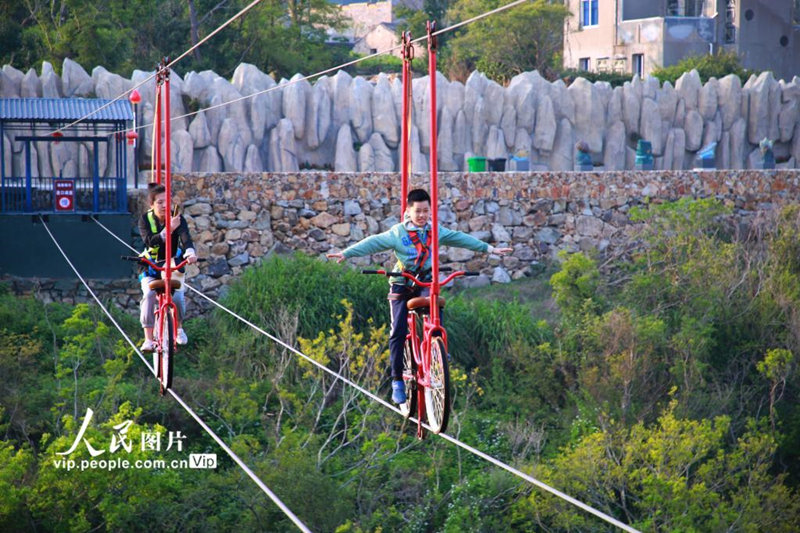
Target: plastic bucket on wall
521	163
476	164
497	165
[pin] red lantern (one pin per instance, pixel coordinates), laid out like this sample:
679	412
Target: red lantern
135	97
57	135
131	136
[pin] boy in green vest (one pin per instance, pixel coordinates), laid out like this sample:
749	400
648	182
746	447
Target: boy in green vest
410	241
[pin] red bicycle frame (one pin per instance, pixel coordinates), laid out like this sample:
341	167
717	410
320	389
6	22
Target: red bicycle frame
165	296
165	305
422	349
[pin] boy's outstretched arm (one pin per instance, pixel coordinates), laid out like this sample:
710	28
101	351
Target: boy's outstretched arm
336	255
371	245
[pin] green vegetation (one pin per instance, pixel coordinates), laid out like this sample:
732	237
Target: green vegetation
278	37
528	37
717	66
613	78
661	390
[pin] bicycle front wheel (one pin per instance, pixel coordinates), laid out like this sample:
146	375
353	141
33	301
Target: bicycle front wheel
166	338
437	393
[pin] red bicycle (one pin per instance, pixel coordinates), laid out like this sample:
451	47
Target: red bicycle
166	329
425	357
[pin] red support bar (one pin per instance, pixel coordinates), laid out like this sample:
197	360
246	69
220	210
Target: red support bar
156	170
431	26
405	156
168	179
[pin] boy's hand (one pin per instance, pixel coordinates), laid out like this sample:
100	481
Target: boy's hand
502	251
336	255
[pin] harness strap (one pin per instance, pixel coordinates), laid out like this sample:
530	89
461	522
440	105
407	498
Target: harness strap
152	252
423	249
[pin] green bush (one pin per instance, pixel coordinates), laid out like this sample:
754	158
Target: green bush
615	79
717	66
312	289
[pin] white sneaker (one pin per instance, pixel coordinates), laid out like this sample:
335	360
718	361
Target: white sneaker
148	346
181	338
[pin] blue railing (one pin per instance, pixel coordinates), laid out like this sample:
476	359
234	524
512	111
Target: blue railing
37	195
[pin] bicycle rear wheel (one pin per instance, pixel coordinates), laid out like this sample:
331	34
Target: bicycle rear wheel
437	393
410	380
166	338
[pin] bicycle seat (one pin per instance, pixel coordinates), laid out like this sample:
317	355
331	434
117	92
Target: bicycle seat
158	285
421	302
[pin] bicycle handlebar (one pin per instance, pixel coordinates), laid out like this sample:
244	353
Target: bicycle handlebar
146	261
445	281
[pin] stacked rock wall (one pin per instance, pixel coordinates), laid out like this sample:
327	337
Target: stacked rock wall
238	219
351	124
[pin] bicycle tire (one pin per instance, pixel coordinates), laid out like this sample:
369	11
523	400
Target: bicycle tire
437	393
167	340
410	380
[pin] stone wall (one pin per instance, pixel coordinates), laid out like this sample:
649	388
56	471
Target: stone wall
237	219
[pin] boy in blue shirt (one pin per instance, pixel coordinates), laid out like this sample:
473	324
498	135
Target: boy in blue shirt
410	241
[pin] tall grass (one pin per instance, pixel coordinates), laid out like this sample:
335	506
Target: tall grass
312	289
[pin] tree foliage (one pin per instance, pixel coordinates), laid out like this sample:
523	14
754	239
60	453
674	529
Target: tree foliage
717	66
527	37
123	36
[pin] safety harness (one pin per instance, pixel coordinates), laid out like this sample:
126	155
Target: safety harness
152	252
423	249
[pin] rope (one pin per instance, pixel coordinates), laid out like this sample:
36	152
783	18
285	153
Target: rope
174	394
386	404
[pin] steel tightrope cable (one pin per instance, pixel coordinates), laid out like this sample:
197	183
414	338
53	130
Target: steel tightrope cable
522	475
288	512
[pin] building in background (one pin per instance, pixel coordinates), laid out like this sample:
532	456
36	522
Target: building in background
372	25
637	36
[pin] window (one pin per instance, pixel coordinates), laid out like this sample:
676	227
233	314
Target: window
637	61
684	8
589	12
730	21
583	63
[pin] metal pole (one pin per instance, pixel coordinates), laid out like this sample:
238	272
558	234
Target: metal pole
3	167
167	182
405	156
96	181
434	182
28	199
157	136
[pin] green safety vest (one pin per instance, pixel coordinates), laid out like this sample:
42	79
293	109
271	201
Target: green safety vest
152	252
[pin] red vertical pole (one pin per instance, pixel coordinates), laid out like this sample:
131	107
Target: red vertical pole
405	127
167	180
157	137
434	182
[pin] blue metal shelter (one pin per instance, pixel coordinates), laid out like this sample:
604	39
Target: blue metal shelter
101	127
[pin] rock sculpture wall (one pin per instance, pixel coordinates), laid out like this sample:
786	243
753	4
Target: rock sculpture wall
351	124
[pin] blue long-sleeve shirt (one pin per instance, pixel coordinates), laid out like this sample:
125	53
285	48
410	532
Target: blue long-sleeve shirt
398	240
